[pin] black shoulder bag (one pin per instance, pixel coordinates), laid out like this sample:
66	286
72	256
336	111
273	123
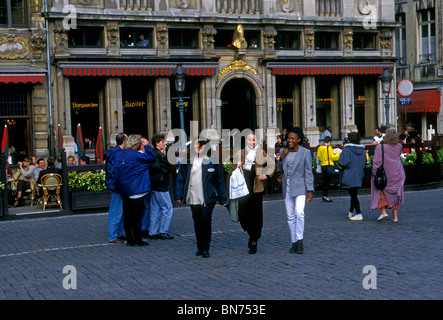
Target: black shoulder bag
332	170
380	180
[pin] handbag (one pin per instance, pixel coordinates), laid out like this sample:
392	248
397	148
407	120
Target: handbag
380	180
238	187
332	170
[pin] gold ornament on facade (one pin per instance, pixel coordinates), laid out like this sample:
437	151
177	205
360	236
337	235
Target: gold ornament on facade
348	39
208	33
268	37
112	34
385	39
162	36
236	65
239	40
36	6
309	39
14	47
38	43
60	35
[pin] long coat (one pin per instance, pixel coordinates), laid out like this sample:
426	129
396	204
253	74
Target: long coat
395	174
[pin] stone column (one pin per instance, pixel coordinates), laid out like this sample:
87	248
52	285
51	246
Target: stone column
163	104
113	109
309	106
347	105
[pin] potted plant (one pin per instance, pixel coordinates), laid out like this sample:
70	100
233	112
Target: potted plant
88	190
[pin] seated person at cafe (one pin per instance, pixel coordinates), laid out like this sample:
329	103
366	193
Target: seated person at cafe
84	160
71	161
24	183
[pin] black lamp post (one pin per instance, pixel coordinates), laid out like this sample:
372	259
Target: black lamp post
179	78
386	79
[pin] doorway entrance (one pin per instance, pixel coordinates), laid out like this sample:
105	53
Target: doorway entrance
238	105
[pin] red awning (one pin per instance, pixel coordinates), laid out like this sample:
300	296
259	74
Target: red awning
421	101
328	68
22	78
135	69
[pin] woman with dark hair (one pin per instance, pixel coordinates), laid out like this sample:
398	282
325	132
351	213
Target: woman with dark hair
353	161
201	184
298	185
327	157
393	194
257	168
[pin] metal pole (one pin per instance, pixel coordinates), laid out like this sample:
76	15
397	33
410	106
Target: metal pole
48	63
181	109
387	110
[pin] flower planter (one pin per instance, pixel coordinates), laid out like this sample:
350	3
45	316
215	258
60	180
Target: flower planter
90	200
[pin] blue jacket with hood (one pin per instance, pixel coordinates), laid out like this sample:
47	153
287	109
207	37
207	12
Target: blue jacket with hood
109	167
131	171
353	161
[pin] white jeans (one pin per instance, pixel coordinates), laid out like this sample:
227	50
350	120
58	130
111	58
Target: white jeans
295	211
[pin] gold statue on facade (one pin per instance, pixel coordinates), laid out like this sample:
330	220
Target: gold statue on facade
239	40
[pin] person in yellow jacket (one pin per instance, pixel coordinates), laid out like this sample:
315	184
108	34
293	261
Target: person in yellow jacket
326	156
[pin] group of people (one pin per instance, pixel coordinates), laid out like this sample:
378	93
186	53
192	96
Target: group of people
352	161
137	171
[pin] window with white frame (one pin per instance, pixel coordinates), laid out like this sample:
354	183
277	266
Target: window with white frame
426	20
400	39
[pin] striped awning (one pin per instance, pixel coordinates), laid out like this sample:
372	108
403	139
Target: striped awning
22	78
328	68
135	69
421	101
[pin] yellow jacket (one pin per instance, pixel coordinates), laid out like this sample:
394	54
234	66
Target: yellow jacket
322	155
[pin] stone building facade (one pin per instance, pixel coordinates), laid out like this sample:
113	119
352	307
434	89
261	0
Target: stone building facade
249	63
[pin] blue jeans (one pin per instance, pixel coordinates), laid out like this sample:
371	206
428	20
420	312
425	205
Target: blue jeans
146	214
161	212
115	217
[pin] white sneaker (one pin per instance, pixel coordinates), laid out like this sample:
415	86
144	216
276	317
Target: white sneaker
350	214
357	217
382	216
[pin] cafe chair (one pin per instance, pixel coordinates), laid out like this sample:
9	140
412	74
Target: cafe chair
51	186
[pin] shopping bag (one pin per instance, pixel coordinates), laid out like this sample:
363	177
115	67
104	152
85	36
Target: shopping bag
238	187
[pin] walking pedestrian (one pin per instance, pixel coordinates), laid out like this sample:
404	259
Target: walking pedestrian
327	157
115	213
298	185
393	194
353	161
160	205
131	174
201	184
257	168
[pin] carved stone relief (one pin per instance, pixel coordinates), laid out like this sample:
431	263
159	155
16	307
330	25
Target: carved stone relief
182	4
162	36
113	34
14	47
38	43
385	40
348	39
268	37
309	39
208	33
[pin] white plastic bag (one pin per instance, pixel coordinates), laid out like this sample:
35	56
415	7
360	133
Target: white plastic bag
238	187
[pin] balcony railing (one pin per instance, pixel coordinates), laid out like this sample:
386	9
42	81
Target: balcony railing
238	6
429	57
328	8
136	5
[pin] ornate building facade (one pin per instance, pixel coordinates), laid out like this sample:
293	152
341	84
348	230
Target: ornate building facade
249	63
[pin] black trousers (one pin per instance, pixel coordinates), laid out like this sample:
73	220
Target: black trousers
132	218
202	216
326	180
250	214
355	204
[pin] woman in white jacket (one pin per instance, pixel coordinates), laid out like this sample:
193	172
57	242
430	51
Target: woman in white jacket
298	185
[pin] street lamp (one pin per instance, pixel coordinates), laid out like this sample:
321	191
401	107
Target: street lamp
179	78
386	79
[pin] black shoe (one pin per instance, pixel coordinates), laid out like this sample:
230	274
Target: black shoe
154	236
205	254
326	199
253	247
199	253
145	234
299	249
293	248
140	243
165	236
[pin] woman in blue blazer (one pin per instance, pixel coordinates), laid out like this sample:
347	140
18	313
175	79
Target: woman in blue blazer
201	184
298	185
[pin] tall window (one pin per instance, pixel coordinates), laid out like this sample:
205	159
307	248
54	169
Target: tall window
183	38
400	39
426	20
86	37
364	41
135	38
326	40
288	40
13	13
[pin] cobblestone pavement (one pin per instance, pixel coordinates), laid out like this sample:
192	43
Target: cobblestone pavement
406	257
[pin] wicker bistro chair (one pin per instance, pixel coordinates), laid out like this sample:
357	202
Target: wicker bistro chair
51	186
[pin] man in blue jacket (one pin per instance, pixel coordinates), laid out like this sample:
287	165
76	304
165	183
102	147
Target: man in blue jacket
115	213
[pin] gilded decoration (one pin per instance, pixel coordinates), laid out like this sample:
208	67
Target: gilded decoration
239	40
60	35
348	39
38	43
268	37
208	33
236	65
112	34
14	47
36	6
162	35
309	39
385	39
